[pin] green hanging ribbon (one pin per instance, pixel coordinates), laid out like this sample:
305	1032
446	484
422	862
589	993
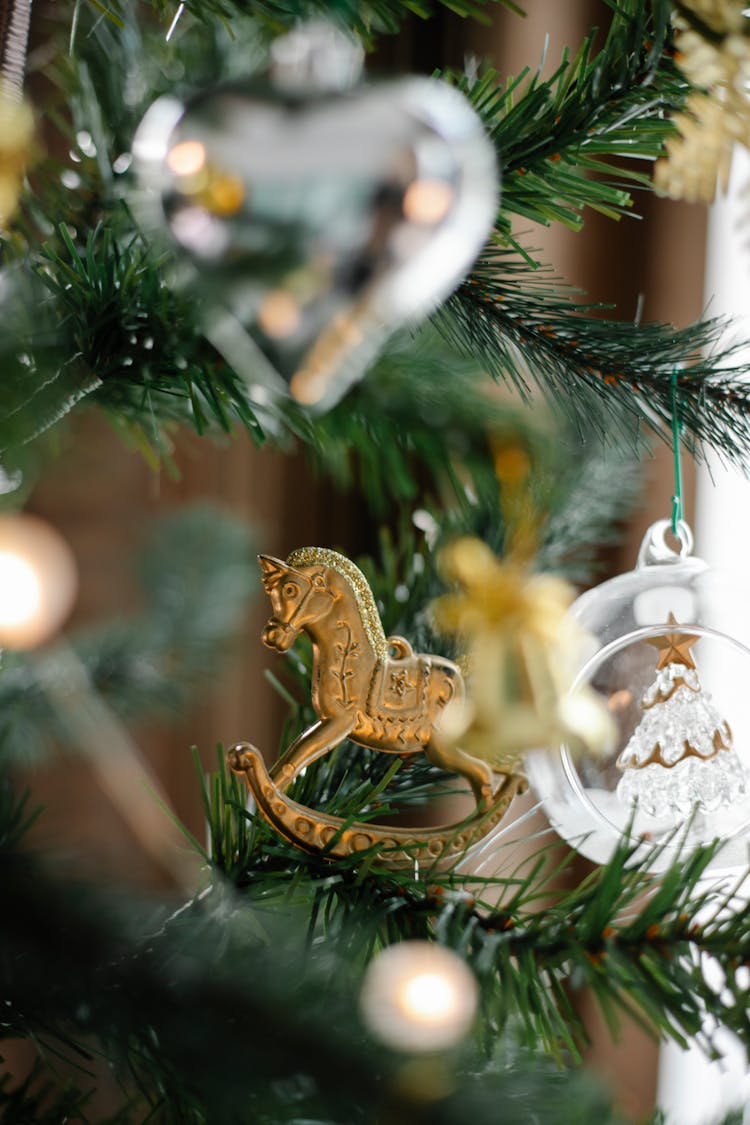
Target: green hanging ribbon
676	431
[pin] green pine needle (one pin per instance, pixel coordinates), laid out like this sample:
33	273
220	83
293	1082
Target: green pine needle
556	138
608	376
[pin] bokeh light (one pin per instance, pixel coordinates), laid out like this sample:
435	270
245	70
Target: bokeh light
37	581
419	997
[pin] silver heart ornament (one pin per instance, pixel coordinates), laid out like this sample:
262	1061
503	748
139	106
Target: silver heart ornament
313	224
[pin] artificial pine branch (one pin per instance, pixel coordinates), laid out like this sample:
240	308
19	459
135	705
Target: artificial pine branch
644	956
40	1097
556	137
155	368
607	375
444	459
639	942
138	985
597	492
122	322
365	19
267	1032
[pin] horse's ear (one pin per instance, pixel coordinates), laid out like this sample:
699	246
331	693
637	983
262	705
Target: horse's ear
271	570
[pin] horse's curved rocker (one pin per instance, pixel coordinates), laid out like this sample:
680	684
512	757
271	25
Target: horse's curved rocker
373	690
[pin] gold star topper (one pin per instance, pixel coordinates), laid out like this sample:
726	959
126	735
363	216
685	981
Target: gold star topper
674	648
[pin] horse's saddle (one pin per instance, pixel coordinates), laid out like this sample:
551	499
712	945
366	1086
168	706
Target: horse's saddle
399	685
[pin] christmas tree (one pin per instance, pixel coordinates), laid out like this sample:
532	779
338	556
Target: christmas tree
681	754
210	232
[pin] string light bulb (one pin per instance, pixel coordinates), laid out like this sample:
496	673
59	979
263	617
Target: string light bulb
38	581
419	997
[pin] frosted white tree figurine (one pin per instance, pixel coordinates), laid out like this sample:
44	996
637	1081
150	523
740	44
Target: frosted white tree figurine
681	753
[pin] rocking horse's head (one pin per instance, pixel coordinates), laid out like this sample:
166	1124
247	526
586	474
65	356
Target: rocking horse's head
299	597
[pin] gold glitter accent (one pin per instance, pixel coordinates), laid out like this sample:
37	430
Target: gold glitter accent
323	556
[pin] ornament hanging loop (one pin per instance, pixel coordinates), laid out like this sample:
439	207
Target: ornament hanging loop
655	550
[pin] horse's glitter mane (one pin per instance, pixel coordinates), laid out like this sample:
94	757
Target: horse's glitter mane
323	556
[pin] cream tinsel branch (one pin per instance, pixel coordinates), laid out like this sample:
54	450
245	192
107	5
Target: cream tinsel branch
15	17
16	121
713	52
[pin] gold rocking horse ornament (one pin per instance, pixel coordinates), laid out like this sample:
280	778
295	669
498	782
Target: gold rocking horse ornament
373	690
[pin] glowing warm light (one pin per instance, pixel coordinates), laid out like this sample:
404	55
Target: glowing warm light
20	594
419	997
37	581
428	998
279	314
310	383
308	386
427	201
619	700
186	158
223	195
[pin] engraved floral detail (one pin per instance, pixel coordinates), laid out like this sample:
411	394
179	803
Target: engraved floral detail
347	650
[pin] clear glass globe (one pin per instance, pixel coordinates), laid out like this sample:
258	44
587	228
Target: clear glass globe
670	655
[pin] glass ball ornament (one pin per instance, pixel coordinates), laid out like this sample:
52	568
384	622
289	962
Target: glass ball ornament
670	655
418	997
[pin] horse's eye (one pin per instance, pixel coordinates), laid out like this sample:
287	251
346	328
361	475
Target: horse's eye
290	590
